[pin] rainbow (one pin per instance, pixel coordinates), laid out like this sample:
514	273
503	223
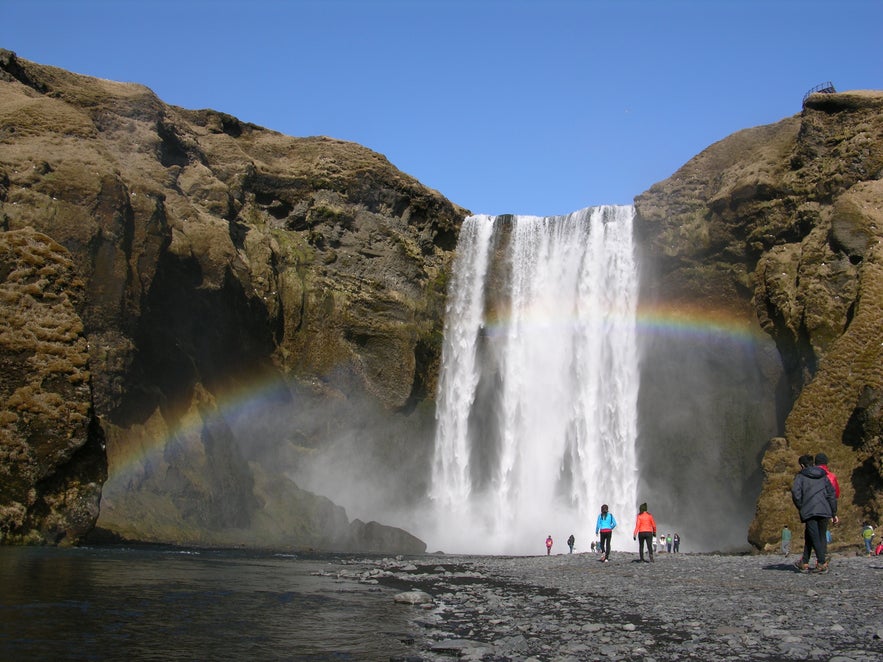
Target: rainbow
145	443
689	323
704	325
131	449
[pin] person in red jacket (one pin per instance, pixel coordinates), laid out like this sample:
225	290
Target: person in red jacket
822	461
645	532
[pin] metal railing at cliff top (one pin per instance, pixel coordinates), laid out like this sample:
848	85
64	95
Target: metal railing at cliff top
824	88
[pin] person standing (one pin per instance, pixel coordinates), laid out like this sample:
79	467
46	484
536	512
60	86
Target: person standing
668	543
605	525
813	495
677	543
645	532
821	461
867	537
549	545
786	540
570	541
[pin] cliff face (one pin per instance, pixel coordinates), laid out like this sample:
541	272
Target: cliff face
51	456
160	267
206	325
781	226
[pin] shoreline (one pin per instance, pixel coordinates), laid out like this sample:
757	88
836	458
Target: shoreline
688	605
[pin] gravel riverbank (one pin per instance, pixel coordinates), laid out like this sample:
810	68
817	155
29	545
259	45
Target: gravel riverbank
683	606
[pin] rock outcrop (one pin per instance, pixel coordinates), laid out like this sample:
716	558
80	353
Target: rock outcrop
158	264
51	453
782	227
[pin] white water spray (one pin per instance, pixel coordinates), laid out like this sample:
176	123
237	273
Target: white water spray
537	402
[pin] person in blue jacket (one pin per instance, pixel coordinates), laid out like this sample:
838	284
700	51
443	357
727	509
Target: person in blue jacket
606	524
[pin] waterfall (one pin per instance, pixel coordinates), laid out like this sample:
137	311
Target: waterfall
536	408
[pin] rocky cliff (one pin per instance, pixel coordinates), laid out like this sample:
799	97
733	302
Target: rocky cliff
162	267
215	334
781	226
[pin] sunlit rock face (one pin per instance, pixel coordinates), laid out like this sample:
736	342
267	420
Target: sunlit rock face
231	284
215	334
780	227
52	462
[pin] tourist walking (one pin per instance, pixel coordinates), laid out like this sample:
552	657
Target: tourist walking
867	537
645	532
668	543
605	525
813	495
549	545
786	540
677	543
570	541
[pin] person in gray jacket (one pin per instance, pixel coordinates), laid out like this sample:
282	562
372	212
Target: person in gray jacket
813	494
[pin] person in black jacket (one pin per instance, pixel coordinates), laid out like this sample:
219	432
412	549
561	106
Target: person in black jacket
813	494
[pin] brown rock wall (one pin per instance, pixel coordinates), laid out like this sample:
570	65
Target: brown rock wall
214	256
781	225
52	460
161	265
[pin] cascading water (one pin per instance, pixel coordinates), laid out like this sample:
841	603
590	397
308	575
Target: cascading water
536	418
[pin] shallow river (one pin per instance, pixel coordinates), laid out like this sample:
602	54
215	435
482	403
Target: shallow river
164	604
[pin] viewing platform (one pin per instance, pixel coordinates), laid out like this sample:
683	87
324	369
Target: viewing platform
823	88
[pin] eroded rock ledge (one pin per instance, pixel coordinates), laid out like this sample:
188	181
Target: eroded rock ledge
782	226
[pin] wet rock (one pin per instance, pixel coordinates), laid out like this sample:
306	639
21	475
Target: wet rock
413	597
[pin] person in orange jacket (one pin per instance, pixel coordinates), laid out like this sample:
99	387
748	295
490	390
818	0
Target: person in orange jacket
645	532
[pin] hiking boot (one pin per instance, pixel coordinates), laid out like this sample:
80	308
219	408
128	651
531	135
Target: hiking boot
821	568
801	566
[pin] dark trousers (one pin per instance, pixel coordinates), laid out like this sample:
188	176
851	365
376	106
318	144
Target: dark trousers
645	538
815	537
605	543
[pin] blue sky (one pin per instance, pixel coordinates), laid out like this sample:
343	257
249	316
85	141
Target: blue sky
504	106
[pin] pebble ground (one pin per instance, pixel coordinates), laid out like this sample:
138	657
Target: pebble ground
681	607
